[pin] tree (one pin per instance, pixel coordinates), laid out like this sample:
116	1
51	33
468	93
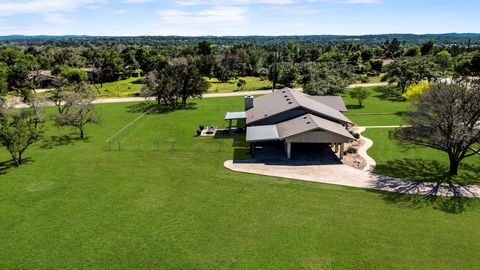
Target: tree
78	109
178	80
162	85
191	82
223	74
326	78
410	70
445	118
289	74
3	79
205	47
109	66
360	95
18	78
73	75
427	48
392	49
241	84
412	51
18	130
444	61
376	64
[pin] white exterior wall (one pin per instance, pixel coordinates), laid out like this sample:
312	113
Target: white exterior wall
317	137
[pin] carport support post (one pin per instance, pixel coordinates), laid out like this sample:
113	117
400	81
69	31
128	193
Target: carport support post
342	146
289	150
229	124
336	147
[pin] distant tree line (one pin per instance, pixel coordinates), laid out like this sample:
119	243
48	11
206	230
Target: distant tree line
462	40
320	69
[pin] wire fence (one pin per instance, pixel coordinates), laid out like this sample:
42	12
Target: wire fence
123	140
213	146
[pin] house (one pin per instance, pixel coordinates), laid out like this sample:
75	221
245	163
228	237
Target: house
42	78
291	117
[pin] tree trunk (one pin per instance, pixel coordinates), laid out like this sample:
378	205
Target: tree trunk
454	164
81	133
16	160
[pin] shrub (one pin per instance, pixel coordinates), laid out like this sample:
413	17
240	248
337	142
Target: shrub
199	132
356	136
416	90
352	150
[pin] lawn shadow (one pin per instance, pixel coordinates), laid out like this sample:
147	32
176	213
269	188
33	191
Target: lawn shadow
154	108
5	166
388	93
56	141
355	107
241	149
428	174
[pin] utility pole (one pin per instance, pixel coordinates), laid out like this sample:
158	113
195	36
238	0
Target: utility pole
275	68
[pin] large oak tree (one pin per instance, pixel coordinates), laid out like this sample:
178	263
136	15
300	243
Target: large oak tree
445	117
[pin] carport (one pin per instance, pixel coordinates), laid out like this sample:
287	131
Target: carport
238	116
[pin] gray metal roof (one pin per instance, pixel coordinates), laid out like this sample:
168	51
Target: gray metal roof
262	133
288	99
335	102
296	126
310	122
235	115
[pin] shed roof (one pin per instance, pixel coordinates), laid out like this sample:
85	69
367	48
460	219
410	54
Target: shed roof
288	99
262	133
235	115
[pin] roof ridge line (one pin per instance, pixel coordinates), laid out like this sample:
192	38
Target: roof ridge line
293	96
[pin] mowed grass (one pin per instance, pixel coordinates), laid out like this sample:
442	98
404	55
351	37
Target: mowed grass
424	164
253	83
378	109
75	205
123	88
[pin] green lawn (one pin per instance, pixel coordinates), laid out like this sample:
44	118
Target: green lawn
423	164
76	205
253	83
378	109
124	88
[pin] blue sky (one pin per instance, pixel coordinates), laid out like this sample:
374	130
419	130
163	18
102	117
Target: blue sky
237	17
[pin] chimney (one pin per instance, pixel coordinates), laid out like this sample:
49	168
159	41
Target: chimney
248	102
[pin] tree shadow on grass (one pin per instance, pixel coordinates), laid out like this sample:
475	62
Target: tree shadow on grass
56	141
389	93
429	175
154	108
5	166
354	107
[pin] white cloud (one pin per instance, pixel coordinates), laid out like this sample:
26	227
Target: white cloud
217	15
233	2
136	1
56	18
345	1
269	2
8	8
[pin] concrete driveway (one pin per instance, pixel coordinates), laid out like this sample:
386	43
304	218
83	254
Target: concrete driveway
343	175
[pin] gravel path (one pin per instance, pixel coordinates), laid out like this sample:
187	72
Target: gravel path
362	151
